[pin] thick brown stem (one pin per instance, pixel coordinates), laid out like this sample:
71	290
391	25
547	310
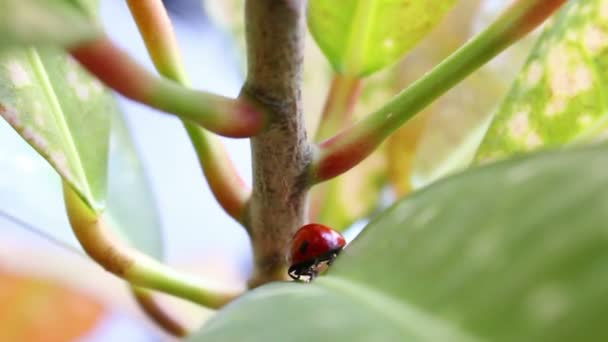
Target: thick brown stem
281	154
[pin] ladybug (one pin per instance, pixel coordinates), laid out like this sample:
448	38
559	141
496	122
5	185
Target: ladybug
313	248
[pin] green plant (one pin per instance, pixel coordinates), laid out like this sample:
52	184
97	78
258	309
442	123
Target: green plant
511	251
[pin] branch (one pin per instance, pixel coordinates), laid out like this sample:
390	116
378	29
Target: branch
145	299
155	28
224	116
345	150
94	234
226	184
281	154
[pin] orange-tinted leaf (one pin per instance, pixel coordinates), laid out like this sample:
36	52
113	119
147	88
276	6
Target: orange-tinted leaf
36	310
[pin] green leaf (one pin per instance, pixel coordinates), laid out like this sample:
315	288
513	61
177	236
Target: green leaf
513	251
131	205
62	112
458	120
59	22
31	190
363	36
559	97
71	120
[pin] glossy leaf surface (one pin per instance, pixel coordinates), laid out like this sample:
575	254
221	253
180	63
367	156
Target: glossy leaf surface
362	36
62	112
559	97
71	121
60	22
507	252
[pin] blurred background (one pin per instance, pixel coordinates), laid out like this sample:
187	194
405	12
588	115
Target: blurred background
50	292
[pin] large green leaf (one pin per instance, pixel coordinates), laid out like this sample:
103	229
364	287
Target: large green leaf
61	22
62	112
362	36
559	97
514	251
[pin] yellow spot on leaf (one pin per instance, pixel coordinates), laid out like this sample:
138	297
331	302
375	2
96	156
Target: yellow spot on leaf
534	74
61	163
569	83
82	91
389	43
72	78
604	10
585	120
548	303
34	138
96	86
555	106
518	125
18	75
595	39
533	140
11	116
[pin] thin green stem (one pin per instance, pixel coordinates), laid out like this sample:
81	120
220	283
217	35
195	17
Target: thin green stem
156	312
144	297
226	184
156	29
95	235
345	150
236	118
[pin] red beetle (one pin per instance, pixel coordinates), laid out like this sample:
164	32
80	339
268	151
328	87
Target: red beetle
313	248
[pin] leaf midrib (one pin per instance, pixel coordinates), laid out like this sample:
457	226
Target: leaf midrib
65	134
358	35
411	319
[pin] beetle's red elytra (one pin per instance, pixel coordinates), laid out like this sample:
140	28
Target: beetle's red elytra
313	248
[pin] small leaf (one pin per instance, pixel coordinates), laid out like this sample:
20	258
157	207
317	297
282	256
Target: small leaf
131	205
514	251
31	190
559	97
59	22
62	112
363	36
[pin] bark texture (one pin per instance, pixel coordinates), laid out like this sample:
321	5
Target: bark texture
281	154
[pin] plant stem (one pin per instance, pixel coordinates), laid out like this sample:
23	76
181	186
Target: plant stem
95	236
339	106
221	115
345	150
226	184
145	299
337	113
281	154
155	28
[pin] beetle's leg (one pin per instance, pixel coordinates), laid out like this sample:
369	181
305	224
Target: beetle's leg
293	273
332	258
